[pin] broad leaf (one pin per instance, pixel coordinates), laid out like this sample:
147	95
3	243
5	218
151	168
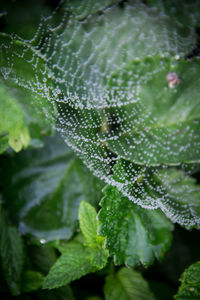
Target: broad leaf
172	190
127	284
12	256
73	64
190	283
133	234
162	126
48	184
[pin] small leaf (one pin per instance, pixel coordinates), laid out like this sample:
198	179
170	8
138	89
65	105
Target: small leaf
32	281
98	257
72	264
190	283
12	255
88	222
75	261
133	234
127	284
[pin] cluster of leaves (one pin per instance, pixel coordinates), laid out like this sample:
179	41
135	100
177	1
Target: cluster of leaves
51	234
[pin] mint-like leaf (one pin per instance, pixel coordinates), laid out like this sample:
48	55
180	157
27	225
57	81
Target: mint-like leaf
190	283
127	284
72	264
98	257
88	222
133	234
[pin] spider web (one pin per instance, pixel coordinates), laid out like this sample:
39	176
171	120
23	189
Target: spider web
95	64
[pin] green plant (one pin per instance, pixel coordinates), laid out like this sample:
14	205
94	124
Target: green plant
119	82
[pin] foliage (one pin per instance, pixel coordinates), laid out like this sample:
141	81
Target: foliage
133	235
190	283
85	212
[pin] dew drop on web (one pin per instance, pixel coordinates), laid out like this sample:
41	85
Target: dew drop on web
86	71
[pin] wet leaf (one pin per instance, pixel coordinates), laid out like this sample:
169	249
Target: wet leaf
162	126
170	189
133	235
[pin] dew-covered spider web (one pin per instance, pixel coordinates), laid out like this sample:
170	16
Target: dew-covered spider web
103	66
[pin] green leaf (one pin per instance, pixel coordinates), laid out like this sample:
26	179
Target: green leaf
162	126
74	263
12	256
88	222
12	122
136	30
88	226
31	281
127	284
48	184
190	283
167	188
36	111
133	234
98	257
